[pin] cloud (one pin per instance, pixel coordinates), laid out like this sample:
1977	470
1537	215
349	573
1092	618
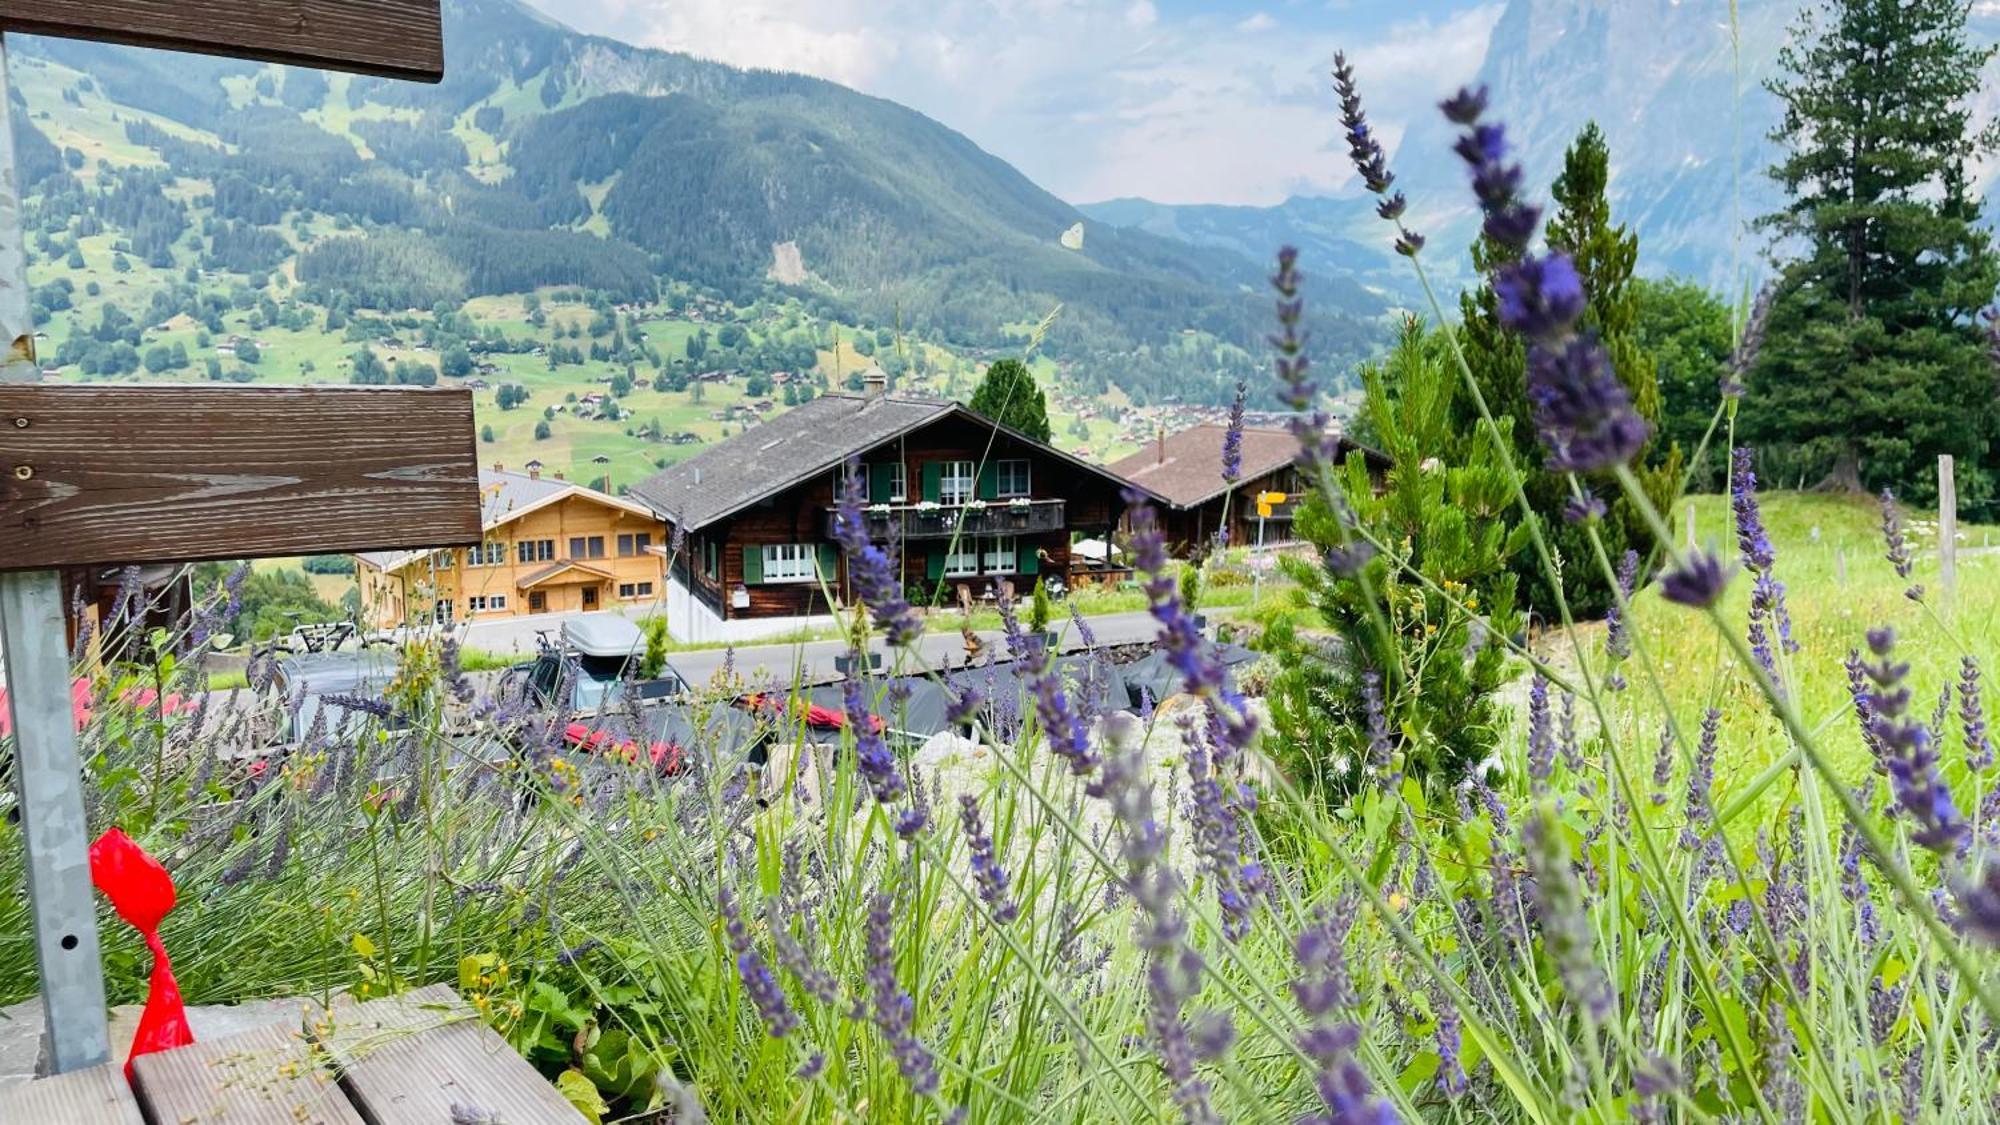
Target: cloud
1097	98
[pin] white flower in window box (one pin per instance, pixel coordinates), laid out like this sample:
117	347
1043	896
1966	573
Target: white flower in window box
878	509
975	505
1018	503
927	506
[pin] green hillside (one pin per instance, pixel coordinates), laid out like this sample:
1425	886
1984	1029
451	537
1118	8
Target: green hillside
567	215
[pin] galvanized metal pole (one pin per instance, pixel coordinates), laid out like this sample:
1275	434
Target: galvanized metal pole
47	773
1947	529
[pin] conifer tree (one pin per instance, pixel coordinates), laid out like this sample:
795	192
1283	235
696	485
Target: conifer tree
1008	395
1605	255
1873	363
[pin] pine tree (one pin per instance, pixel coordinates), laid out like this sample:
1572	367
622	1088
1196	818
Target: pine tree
1447	506
1605	255
1008	395
1873	363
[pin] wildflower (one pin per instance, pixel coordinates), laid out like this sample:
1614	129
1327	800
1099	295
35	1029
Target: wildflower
911	821
1979	901
1541	739
873	573
1559	906
1381	744
1697	581
892	1009
1745	354
1582	412
1369	160
1898	546
1584	508
1232	438
1972	716
1663	766
578	952
1084	632
811	1068
1750	534
1064	728
1451	1068
1701	779
986	869
1617	633
871	752
1299	393
1909	756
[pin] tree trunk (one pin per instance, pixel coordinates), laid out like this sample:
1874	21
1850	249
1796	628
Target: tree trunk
1844	476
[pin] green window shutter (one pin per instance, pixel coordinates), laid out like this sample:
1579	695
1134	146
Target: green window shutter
989	483
753	564
934	563
878	482
827	568
933	480
1025	559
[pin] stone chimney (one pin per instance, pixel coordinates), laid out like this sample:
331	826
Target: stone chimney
499	467
874	382
560	476
1160	446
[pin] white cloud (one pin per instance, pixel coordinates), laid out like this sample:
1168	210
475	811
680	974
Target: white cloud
1092	98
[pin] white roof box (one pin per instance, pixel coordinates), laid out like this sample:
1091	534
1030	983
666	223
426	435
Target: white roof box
603	634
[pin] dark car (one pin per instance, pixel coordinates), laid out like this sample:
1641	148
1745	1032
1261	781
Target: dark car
596	650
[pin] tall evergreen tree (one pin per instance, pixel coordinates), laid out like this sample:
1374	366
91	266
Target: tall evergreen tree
1008	395
1873	363
1605	255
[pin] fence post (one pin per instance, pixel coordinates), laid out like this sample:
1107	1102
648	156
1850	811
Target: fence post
1690	525
1947	528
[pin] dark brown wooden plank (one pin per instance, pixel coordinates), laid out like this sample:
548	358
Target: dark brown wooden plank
271	1076
395	38
408	1059
97	1096
132	474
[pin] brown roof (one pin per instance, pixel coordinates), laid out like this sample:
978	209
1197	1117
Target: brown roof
1185	468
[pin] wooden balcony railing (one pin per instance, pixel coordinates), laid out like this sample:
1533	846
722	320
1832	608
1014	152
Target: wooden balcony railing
941	521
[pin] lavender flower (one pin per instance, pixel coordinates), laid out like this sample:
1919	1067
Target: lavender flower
1541	738
1309	422
1979	902
1232	438
1899	546
758	982
1582	412
875	576
1062	725
1972	716
986	869
1909	756
871	752
1767	595
1451	1078
1697	581
1699	808
1745	355
1583	508
1559	905
1381	742
1617	632
892	1009
1369	159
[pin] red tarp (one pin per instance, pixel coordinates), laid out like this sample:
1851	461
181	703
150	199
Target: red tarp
665	755
142	892
817	717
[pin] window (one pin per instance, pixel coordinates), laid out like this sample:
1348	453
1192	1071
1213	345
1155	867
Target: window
899	484
961	559
537	601
630	590
629	545
711	561
790	562
999	555
492	554
586	547
1012	477
844	479
955	482
535	550
444	560
479	603
442	611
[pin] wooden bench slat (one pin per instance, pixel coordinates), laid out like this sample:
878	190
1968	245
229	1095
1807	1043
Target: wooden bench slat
97	1096
265	1077
408	1059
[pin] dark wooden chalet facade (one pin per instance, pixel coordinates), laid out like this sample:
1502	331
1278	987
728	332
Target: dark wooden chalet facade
969	502
1184	470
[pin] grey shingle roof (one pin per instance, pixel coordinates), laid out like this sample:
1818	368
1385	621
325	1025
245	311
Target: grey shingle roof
775	454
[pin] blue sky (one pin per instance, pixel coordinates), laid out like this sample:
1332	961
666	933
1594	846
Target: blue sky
1175	100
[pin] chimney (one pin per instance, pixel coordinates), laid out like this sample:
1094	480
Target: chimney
498	467
1160	446
874	382
534	472
560	476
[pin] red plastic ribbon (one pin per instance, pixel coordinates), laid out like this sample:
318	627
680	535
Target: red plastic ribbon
142	892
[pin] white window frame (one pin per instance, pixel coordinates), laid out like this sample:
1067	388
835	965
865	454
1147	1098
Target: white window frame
485	603
997	559
494	553
958	482
961	559
1000	469
791	562
899	481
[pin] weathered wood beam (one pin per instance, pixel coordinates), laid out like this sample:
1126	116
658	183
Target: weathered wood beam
131	473
392	38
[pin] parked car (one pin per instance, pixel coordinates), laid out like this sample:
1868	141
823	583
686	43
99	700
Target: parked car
592	656
361	676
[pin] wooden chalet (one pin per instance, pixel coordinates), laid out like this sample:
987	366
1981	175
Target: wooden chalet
968	503
1184	469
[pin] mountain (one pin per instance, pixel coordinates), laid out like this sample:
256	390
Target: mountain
549	157
1678	92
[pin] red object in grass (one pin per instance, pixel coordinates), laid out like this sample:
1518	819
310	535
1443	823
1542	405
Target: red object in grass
142	892
666	756
141	699
817	717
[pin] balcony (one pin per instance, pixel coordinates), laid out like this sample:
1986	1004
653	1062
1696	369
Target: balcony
942	521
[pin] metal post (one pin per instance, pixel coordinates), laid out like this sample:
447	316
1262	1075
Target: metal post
1947	527
47	774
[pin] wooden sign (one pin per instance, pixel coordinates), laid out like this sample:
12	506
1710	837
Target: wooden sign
393	38
124	473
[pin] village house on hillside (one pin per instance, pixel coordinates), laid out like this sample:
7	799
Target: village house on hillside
1184	470
552	546
757	510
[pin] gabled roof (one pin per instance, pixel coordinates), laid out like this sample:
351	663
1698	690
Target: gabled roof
505	497
553	570
796	446
1185	468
